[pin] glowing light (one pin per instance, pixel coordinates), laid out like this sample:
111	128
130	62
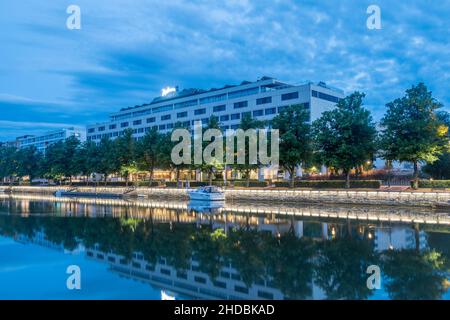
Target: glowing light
165	91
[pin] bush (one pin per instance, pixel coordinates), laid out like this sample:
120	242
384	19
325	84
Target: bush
330	184
435	184
252	183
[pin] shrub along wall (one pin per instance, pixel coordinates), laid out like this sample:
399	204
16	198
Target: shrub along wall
331	184
433	183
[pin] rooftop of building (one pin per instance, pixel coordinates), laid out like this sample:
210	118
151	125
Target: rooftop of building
265	81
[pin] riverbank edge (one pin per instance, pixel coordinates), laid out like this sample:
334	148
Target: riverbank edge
367	197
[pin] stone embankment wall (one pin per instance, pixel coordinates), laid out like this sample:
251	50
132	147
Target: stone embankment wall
375	197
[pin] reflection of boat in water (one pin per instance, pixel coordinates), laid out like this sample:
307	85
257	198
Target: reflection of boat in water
206	206
167	295
209	193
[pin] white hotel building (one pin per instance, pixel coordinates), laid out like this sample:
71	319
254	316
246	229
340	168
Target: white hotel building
262	99
41	142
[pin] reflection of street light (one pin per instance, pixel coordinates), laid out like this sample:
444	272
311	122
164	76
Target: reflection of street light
369	235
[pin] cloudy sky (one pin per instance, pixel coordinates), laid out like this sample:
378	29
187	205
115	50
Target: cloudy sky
127	50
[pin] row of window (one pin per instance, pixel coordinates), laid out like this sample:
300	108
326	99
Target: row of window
216	98
324	96
222	118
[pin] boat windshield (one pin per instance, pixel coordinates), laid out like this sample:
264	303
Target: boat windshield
211	189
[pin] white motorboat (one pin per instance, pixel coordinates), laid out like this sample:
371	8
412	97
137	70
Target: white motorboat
209	193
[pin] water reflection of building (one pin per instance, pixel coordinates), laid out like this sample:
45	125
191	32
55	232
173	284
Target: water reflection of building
40	238
399	237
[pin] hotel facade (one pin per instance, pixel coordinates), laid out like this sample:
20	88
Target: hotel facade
41	142
262	99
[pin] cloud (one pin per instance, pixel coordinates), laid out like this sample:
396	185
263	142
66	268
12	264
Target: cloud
127	51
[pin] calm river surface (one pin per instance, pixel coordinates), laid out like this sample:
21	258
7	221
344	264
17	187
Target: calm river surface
154	249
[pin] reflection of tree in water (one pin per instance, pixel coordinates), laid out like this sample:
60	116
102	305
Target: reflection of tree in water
412	274
341	268
290	263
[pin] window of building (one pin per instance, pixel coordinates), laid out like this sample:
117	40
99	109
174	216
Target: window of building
219	108
165	271
225	117
216	98
124	124
169	126
241	104
264	100
265	295
220	284
325	96
150	120
137	122
182	114
162	127
199	279
165	117
235	116
258	113
101	128
112	126
242	93
270	111
241	289
91	130
200	111
162	108
289	96
246	114
186	104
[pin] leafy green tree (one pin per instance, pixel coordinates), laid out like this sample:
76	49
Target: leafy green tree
87	159
108	162
148	150
211	167
345	138
247	122
8	163
440	169
295	138
411	130
125	153
69	165
55	161
28	160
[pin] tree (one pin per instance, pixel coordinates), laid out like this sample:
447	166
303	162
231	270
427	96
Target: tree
295	138
411	130
70	166
345	138
28	160
87	159
55	160
8	162
148	150
440	169
125	147
215	164
247	123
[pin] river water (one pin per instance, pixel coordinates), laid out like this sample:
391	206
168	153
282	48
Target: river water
161	249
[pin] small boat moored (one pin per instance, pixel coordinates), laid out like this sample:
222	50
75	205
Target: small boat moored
209	193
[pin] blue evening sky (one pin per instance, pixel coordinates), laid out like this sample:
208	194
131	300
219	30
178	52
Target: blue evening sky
127	51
